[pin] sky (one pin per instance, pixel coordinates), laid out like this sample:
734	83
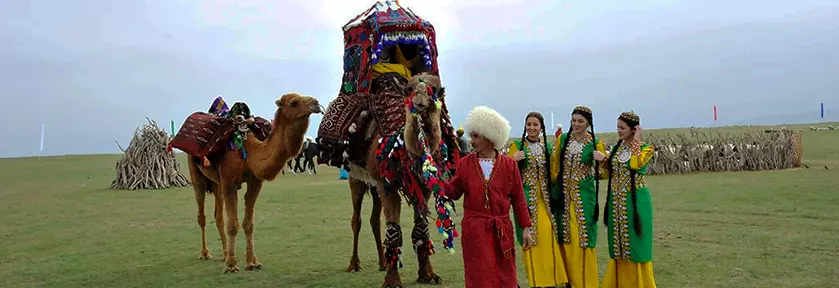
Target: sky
91	71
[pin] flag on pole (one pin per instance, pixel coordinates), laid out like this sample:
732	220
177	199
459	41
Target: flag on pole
822	110
553	124
42	137
715	112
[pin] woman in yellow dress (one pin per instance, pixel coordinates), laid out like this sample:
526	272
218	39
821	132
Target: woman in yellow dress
574	169
543	261
629	212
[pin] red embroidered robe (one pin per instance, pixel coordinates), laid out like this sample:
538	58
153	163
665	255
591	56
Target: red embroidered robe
489	258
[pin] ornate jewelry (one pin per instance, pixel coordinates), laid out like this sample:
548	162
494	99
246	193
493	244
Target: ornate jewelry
575	147
624	155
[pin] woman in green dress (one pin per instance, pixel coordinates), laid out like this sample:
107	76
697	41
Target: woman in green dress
576	208
629	214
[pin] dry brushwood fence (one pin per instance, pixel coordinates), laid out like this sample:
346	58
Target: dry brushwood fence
146	164
699	151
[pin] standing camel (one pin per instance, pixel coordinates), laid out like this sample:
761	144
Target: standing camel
389	194
264	161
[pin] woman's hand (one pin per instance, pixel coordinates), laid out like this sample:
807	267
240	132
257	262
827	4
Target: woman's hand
599	157
527	240
638	133
518	155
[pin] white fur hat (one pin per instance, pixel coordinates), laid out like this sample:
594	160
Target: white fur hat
489	124
558	126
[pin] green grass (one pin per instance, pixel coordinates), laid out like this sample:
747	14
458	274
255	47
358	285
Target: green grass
62	227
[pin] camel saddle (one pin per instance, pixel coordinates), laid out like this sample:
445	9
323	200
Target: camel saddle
204	134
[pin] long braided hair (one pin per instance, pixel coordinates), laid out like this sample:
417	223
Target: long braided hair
632	123
587	114
522	162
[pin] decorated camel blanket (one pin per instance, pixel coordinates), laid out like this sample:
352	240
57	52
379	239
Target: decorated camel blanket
205	133
340	134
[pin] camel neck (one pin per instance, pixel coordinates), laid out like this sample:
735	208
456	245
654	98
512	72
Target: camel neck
266	159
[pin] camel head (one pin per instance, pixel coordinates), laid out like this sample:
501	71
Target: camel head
293	106
425	90
426	94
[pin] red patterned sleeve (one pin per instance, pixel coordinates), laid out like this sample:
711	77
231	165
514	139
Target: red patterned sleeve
517	197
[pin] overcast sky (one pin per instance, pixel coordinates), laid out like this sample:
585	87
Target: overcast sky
92	70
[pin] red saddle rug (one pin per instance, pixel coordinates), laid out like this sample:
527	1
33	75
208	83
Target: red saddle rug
204	134
389	112
342	112
388	103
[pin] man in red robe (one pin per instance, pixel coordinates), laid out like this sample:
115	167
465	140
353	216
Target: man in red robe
490	184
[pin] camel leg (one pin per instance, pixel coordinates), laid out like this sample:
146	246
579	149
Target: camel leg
219	215
254	187
393	237
357	189
231	200
200	183
376	224
200	188
423	247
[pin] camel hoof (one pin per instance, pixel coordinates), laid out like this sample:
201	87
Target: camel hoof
354	268
382	268
205	254
232	269
433	279
255	266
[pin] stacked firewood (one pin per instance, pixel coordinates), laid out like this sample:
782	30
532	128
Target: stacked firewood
700	151
146	164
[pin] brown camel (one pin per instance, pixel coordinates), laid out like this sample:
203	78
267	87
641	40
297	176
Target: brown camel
265	160
390	196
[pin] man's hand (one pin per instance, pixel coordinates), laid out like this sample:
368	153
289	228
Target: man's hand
527	240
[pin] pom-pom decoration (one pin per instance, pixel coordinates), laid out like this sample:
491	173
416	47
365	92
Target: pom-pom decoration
444	206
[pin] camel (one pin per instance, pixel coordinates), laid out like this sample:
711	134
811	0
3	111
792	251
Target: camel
389	199
229	170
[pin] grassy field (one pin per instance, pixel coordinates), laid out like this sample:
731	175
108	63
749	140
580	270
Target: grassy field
62	227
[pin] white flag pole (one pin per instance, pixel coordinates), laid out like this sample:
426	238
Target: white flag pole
42	142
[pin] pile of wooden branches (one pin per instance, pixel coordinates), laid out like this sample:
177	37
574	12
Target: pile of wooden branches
699	151
146	163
